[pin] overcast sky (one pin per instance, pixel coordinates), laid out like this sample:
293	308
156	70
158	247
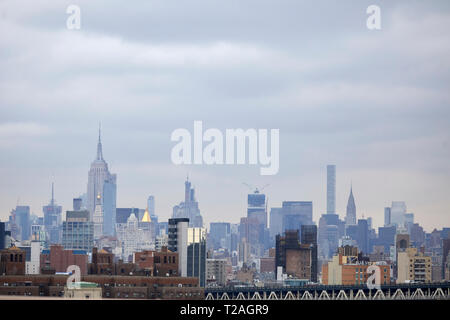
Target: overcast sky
376	103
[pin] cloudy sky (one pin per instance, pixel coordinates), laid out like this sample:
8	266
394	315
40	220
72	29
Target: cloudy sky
374	102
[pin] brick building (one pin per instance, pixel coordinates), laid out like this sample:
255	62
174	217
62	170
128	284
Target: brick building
58	259
102	262
267	264
294	257
12	261
165	263
122	287
157	263
348	267
147	263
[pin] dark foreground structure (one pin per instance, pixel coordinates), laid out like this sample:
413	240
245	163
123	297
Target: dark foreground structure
422	291
121	287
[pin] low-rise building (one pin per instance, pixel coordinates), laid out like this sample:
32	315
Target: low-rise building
122	287
216	271
59	259
348	267
157	263
413	266
12	261
83	291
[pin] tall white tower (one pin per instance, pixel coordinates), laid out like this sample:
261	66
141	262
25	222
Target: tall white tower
98	218
98	176
331	189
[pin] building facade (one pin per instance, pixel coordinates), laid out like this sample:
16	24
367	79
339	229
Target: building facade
78	231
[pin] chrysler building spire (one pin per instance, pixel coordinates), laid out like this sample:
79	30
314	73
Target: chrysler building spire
350	218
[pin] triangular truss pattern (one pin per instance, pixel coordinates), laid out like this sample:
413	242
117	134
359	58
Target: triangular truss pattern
273	296
289	296
342	295
398	294
360	295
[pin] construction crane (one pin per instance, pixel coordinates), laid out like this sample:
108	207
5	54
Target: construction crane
256	189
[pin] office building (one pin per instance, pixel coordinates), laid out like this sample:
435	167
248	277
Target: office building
122	214
22	220
216	271
308	236
386	237
331	189
132	238
387	217
178	242
256	207
276	222
252	232
331	229
363	236
295	214
196	254
101	181
97	218
220	235
413	266
78	231
293	257
398	210
53	220
77	204
189	207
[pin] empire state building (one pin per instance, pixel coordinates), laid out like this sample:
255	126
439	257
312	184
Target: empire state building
102	182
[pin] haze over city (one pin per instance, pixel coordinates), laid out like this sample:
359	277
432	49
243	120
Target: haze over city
374	106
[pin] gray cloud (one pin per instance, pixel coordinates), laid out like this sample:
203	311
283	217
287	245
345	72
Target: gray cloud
376	103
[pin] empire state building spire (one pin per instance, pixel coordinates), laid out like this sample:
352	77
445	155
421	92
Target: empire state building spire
99	145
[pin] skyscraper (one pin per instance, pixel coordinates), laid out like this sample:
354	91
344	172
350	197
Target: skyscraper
257	207
22	216
178	239
53	220
98	218
308	235
331	229
101	181
387	216
189	208
296	214
220	235
331	189
196	254
398	210
78	231
350	218
276	222
257	221
363	236
151	205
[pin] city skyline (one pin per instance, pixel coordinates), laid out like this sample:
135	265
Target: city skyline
327	184
372	102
